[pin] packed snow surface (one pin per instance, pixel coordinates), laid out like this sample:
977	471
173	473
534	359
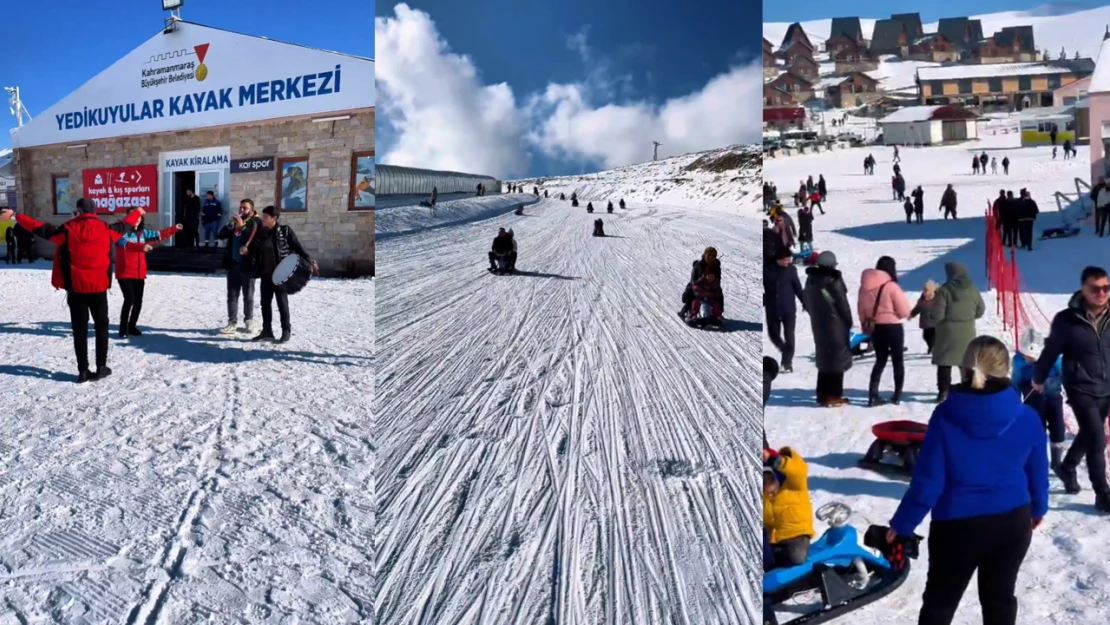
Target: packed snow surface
557	446
1065	574
724	180
209	480
1079	31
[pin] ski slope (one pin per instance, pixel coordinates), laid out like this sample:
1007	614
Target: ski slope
209	479
557	446
1064	575
1077	31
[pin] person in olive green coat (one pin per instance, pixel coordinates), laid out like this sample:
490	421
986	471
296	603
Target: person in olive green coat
956	306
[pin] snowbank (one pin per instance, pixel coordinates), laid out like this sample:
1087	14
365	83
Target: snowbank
399	220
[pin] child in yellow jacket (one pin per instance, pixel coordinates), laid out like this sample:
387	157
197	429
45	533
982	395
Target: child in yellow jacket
787	509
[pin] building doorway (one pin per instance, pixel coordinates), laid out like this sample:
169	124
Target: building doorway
182	182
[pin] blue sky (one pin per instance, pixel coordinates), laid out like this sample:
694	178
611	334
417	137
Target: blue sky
661	49
930	11
50	53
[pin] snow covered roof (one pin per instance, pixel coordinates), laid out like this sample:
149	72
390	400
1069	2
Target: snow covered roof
913	114
1100	80
1000	70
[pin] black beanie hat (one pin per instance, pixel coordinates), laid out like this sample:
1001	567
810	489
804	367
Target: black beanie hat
85	205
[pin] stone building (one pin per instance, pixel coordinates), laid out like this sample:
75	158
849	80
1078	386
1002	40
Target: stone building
209	110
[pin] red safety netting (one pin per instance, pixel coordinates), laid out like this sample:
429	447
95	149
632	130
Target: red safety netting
1013	303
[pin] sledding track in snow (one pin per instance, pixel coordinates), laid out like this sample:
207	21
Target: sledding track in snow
557	446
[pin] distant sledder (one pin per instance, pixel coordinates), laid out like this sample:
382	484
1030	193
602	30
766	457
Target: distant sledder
519	210
589	207
622	203
599	228
609	209
502	256
574	199
847	575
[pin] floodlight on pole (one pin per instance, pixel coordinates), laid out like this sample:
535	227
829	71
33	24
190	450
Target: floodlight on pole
172	5
655	152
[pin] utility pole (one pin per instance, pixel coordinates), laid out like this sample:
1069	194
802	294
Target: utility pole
16	106
655	153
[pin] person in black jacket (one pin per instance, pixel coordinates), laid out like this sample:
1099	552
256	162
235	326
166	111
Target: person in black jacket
707	262
502	246
772	242
240	268
1026	218
191	232
1079	334
919	204
822	187
805	228
830	316
948	202
1008	214
781	287
272	243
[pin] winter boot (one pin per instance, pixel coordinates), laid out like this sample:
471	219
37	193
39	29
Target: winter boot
133	331
786	368
285	335
102	372
941	396
1067	475
267	335
874	401
122	332
229	329
896	398
1057	451
1102	502
85	376
252	326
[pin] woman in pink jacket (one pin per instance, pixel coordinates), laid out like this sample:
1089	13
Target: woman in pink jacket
882	307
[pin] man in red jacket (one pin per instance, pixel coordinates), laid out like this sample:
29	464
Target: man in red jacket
83	267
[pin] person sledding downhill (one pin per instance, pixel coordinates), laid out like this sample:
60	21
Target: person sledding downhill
609	208
708	305
589	207
502	256
622	203
131	272
83	268
599	228
708	257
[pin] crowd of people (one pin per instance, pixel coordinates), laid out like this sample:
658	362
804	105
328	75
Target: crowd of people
1006	411
90	251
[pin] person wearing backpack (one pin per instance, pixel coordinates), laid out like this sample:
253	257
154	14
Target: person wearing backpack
83	267
882	307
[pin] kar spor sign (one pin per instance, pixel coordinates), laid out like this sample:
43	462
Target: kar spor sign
322	83
116	190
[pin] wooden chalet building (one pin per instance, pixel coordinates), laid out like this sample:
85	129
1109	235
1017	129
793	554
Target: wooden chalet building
1012	44
774	97
855	89
848	27
895	35
851	56
768	54
962	32
796	34
805	67
799	88
933	47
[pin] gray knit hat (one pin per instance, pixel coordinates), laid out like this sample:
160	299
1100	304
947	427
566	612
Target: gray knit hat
826	259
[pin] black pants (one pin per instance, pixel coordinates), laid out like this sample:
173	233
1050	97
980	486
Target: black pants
240	281
950	211
1009	234
1090	415
994	545
1025	234
889	341
132	302
930	336
511	256
944	378
909	217
829	385
781	332
920	214
81	307
1102	215
790	552
269	293
1051	410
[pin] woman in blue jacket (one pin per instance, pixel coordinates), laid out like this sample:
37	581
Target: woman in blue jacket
983	473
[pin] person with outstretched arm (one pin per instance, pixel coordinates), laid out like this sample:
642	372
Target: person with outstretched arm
1079	334
83	267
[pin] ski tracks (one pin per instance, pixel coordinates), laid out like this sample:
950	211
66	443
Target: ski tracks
558	446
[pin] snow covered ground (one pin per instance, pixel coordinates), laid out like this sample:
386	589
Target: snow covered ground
209	480
722	180
1078	31
556	446
1066	572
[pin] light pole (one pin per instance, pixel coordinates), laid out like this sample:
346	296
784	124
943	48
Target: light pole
16	106
655	152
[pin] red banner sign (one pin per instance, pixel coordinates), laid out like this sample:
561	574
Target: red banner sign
117	190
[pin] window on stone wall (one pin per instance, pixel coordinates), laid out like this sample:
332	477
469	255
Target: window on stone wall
292	184
362	181
63	202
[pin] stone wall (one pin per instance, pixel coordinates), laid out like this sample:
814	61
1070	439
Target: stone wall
341	240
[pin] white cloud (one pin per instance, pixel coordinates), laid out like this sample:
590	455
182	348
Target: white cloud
445	117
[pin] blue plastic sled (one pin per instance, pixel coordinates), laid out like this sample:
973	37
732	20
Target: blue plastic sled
859	345
1062	232
847	575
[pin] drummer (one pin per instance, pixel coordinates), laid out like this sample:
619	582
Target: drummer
272	244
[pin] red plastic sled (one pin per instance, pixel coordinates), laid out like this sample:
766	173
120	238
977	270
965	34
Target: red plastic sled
898	439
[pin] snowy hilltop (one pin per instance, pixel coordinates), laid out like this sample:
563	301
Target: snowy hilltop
726	179
1079	31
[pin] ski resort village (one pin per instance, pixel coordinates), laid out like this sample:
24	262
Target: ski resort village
935	296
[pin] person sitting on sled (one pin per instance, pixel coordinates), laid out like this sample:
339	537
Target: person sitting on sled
1049	404
708	257
503	246
787	509
707	291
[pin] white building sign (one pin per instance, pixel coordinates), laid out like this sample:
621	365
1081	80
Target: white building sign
196	77
192	160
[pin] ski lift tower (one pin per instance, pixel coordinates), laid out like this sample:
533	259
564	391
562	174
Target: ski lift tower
655	152
15	105
174	7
